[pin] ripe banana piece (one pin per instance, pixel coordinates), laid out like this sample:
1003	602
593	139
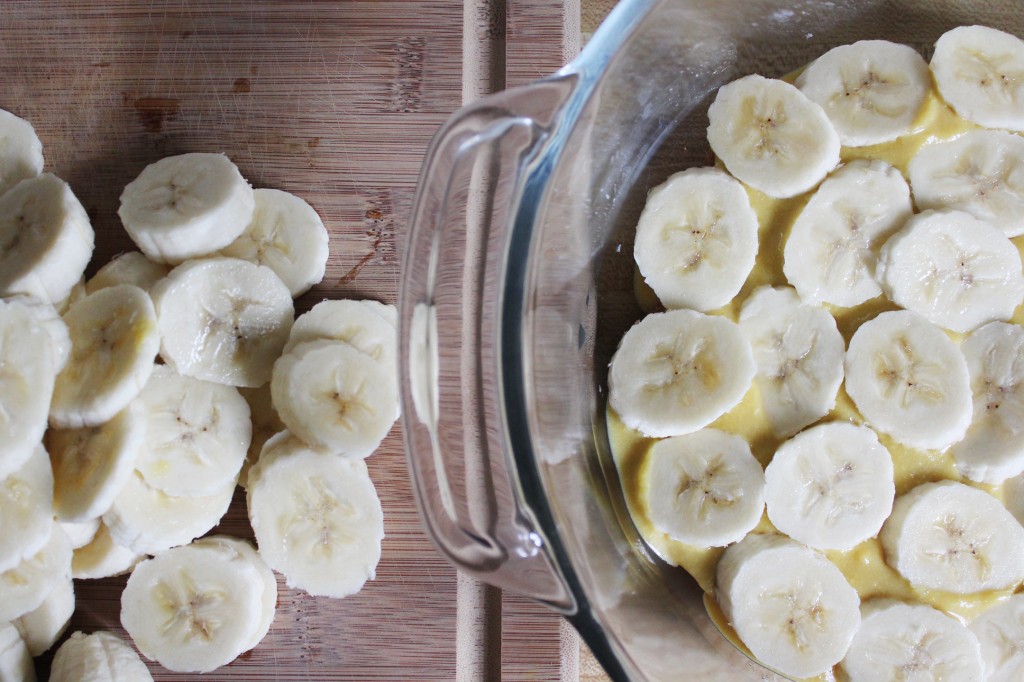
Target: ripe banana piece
103	558
676	372
46	239
704	489
21	152
80	534
24	587
265	423
15	661
1000	630
364	325
696	239
99	657
872	90
771	136
799	354
223	320
186	206
287	236
978	71
791	606
26	509
131	267
909	380
41	627
316	516
950	536
832	248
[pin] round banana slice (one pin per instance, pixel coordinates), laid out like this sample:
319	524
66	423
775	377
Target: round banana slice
193	609
15	661
676	372
46	239
82	533
950	536
265	423
21	152
909	380
696	239
791	606
44	625
26	509
99	657
361	324
103	558
24	587
186	206
197	434
114	342
832	248
1000	630
316	516
980	73
831	486
704	488
287	236
128	268
771	136
953	269
223	320
799	354
898	641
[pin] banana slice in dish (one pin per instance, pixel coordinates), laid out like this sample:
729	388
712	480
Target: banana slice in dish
1000	631
99	657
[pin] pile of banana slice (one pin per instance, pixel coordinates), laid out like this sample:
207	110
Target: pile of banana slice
133	403
896	287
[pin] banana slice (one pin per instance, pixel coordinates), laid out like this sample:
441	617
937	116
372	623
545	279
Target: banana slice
265	423
45	239
80	534
316	516
44	625
676	372
899	642
771	136
953	269
99	657
791	606
831	486
1000	630
287	236
799	354
193	609
364	325
197	434
704	488
949	536
909	380
24	587
21	152
186	206
15	662
328	395
128	268
114	343
696	239
980	73
26	509
832	248
223	320
103	558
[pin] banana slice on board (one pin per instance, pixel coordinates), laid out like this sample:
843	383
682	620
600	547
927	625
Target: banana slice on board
131	267
15	661
103	558
82	533
99	657
265	423
24	587
1000	630
364	325
21	152
950	536
26	509
41	627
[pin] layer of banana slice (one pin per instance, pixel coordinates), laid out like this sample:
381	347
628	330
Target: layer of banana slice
832	248
41	627
696	239
799	354
24	587
676	372
223	320
704	489
909	380
265	423
99	657
316	516
872	90
771	136
899	642
21	152
131	267
103	558
186	206
791	606
287	236
15	661
952	537
980	73
364	325
1000	631
82	533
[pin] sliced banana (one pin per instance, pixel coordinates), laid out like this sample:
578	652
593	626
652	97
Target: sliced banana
696	239
186	206
1000	630
15	661
131	267
265	423
898	642
799	354
771	136
316	516
361	324
872	90
81	534
704	489
197	434
909	380
99	657
791	606
24	587
831	486
950	536
980	73
676	372
21	152
103	558
287	236
26	509
832	248
41	627
46	239
223	320
114	343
